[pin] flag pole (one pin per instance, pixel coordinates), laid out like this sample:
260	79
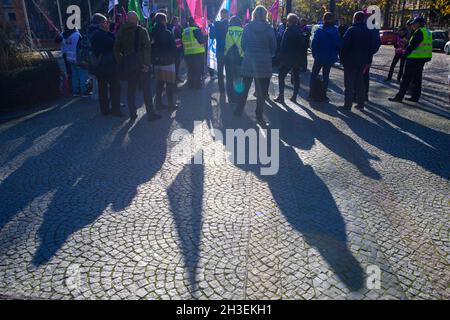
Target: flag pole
90	8
25	13
60	16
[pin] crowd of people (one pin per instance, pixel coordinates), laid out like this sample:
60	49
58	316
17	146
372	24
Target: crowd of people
246	53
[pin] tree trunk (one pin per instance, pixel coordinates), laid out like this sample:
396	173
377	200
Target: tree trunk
387	13
288	6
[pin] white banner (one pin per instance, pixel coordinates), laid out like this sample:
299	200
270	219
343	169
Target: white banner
146	8
112	4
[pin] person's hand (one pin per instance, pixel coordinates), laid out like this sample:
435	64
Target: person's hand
145	68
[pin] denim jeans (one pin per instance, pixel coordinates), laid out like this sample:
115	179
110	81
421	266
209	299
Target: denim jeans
79	78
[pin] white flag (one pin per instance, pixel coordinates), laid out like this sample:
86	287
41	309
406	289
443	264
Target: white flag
112	4
146	8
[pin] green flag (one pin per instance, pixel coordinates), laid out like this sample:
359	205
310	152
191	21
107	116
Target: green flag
135	5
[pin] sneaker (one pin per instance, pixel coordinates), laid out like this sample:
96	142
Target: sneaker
263	123
396	99
360	107
173	108
411	99
279	99
154	117
345	108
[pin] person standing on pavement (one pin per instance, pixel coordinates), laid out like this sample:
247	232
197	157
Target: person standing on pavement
60	40
356	52
418	53
307	35
343	27
400	49
376	45
79	76
177	31
291	58
220	32
325	49
194	54
259	44
164	53
233	59
102	43
132	51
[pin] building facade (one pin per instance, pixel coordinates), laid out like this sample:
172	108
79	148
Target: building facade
403	10
13	17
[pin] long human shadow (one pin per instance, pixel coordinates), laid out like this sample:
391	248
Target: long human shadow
299	129
186	192
432	157
33	129
49	170
302	196
109	178
186	205
435	138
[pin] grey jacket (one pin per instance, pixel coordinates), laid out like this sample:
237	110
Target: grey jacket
259	44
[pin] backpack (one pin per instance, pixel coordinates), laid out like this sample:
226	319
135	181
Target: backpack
85	55
318	90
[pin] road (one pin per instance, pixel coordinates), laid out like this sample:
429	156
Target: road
101	208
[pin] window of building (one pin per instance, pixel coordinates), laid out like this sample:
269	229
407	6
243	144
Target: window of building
12	16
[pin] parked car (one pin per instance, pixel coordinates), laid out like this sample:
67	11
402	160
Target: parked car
447	48
440	38
388	36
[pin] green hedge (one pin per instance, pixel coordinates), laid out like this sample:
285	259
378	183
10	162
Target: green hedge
29	86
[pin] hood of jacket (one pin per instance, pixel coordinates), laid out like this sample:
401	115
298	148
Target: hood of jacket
259	26
92	29
67	33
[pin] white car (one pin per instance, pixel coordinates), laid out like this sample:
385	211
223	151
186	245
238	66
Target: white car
447	48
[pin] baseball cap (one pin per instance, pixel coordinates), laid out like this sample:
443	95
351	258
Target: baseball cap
418	20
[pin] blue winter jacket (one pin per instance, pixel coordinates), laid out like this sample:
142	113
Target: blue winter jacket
326	44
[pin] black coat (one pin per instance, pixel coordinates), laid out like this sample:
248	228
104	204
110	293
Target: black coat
164	50
293	47
357	46
101	41
219	33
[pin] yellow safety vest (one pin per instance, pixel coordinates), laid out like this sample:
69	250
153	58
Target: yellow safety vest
425	49
234	36
190	43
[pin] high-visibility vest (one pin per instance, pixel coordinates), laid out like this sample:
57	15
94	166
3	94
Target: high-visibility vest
234	36
190	43
425	49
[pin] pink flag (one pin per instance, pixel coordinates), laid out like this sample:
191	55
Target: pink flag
233	7
247	16
180	4
196	10
274	10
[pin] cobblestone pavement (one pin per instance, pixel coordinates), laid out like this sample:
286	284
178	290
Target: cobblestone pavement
97	208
